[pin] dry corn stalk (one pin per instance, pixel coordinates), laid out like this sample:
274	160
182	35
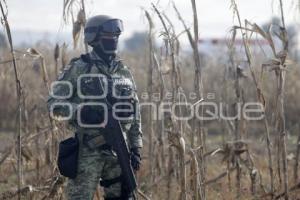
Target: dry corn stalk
150	92
260	95
175	136
19	97
198	87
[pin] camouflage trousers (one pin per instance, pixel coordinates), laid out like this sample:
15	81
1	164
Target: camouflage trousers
94	164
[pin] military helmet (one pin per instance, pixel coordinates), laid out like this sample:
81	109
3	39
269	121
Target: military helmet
101	24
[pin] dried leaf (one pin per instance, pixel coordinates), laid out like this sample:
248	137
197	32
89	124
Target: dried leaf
279	35
259	30
240	73
271	62
64	59
271	42
261	97
265	35
56	52
182	144
76	32
81	17
33	52
282	54
278	67
67	8
233	37
216	151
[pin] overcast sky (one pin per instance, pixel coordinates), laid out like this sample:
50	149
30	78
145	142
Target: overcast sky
215	16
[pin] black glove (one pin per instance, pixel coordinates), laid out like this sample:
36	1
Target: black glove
135	158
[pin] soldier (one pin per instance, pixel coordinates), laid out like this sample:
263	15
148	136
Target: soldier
82	101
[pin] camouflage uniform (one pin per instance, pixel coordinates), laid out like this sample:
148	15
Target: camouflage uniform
97	163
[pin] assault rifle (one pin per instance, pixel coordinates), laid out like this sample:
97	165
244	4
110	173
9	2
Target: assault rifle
114	136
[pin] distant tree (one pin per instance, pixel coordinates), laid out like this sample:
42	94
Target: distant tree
291	31
136	42
3	41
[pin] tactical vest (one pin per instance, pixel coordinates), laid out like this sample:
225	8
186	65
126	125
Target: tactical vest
111	89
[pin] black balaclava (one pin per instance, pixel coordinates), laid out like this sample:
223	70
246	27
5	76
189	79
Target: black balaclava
107	57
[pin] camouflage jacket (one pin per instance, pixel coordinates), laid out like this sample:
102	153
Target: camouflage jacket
68	93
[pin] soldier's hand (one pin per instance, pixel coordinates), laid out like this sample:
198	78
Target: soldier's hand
135	157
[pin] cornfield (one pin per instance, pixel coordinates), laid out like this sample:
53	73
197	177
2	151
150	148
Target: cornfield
204	145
